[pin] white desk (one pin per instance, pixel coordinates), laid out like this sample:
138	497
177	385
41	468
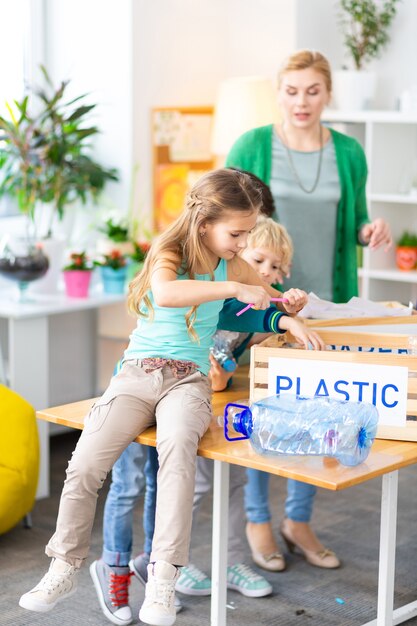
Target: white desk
51	348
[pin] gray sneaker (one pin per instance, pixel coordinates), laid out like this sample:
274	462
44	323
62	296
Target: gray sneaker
112	587
139	566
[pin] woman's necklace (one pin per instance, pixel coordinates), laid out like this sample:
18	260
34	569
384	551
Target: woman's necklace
292	166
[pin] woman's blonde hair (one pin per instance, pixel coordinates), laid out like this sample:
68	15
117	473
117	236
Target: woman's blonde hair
181	247
304	59
273	236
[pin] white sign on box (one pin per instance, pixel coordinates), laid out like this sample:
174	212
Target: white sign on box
383	386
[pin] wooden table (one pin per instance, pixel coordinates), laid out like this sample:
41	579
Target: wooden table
385	459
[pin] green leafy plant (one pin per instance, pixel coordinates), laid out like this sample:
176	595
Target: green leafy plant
407	240
45	151
115	259
365	25
116	231
141	249
78	261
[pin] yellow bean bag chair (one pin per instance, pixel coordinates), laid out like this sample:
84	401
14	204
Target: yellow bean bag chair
19	458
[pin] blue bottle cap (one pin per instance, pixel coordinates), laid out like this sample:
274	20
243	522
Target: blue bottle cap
242	422
229	365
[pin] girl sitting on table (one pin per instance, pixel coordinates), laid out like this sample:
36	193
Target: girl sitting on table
189	271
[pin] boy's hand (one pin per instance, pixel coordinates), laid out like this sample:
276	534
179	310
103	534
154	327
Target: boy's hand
302	333
218	375
297	299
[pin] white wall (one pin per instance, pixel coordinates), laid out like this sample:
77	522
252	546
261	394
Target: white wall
317	25
184	48
90	43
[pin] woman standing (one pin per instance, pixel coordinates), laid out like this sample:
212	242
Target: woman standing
317	177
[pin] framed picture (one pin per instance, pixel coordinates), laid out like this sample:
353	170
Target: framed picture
181	138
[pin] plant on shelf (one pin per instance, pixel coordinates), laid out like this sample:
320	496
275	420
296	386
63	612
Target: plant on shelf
140	252
77	275
113	269
365	25
137	258
78	261
116	231
406	251
115	260
45	152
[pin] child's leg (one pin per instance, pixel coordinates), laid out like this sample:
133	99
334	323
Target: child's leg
182	418
111	425
204	484
125	409
127	484
111	573
239	576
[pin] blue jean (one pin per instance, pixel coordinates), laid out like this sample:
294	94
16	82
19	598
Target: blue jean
128	481
298	504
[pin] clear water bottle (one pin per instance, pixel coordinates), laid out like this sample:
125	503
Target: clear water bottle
224	342
288	424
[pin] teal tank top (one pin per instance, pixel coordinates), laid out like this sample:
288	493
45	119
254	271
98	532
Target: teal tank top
166	335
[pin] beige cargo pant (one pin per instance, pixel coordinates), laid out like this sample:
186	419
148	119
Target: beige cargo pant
134	401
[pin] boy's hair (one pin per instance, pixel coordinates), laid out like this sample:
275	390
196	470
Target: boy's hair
273	236
180	246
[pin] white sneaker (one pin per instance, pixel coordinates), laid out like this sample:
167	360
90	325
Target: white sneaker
59	582
158	608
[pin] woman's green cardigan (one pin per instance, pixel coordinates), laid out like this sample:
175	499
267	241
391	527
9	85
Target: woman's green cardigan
253	152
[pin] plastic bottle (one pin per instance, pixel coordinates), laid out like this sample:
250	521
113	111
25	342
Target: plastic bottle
224	342
288	424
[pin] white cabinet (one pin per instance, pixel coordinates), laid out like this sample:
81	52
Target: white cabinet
389	139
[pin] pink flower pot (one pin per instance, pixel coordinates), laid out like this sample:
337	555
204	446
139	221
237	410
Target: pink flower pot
77	283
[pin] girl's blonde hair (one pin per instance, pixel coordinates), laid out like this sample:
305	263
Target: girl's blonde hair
304	59
181	246
273	236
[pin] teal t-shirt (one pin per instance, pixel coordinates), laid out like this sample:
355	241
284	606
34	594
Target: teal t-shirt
167	336
310	218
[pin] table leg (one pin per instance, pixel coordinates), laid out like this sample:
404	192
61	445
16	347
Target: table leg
219	543
29	366
386	616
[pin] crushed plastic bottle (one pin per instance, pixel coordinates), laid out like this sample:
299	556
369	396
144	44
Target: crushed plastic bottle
293	425
224	342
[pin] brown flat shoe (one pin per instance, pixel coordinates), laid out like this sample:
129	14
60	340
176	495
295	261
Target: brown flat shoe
323	558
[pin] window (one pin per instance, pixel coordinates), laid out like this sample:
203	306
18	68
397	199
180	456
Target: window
15	61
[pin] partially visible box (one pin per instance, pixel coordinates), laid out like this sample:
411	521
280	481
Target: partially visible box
377	336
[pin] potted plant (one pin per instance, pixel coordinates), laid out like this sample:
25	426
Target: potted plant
113	271
117	237
365	26
77	275
45	155
406	251
137	258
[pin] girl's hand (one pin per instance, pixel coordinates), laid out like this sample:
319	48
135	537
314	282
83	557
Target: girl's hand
218	375
376	234
297	299
253	294
302	334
